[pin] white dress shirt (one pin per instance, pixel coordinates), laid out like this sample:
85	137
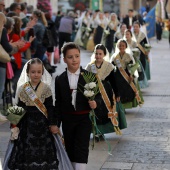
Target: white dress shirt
130	21
73	80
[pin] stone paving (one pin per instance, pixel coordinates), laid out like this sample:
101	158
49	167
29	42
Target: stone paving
145	144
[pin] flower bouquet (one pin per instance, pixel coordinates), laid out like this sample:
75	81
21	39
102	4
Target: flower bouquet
91	89
88	29
107	32
14	114
136	53
147	47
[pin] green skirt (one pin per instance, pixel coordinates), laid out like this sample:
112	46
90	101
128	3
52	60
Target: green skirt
134	102
108	127
147	70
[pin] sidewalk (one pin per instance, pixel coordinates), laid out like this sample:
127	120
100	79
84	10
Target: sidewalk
145	144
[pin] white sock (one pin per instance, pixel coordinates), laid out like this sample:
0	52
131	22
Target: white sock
80	166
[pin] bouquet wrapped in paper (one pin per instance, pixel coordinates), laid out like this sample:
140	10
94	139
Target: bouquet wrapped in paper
147	47
14	114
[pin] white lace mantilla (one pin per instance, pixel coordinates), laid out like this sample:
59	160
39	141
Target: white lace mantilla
102	72
140	36
124	60
43	92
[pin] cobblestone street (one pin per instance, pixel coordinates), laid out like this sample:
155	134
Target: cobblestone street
145	144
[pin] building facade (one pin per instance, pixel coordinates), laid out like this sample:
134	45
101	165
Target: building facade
118	6
54	3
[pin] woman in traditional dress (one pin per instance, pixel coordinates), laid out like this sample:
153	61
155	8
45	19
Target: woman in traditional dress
105	70
93	25
120	32
130	96
83	32
141	40
102	24
142	79
33	145
86	30
111	28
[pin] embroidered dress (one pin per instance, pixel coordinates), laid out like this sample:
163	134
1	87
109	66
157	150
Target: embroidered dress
127	94
35	147
106	74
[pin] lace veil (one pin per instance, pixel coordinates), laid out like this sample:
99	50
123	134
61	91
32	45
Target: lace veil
128	50
106	57
46	78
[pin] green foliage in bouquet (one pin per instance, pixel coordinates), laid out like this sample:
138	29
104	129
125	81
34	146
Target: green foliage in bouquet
90	90
14	114
136	53
147	47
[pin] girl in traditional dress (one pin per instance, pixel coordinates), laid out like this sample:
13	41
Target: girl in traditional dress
105	70
33	145
130	95
141	40
142	79
112	28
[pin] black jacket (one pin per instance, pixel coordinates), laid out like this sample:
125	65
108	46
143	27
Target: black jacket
63	96
126	21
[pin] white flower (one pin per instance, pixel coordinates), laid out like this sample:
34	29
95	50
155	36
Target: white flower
15	107
106	32
87	87
92	85
87	34
16	110
88	93
147	46
135	50
88	29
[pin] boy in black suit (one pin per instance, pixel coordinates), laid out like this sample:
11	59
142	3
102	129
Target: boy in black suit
72	108
130	19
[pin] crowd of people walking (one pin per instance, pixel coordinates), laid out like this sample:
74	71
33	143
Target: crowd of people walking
119	68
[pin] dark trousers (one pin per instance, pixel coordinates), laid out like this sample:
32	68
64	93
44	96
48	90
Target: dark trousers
76	130
63	37
143	60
